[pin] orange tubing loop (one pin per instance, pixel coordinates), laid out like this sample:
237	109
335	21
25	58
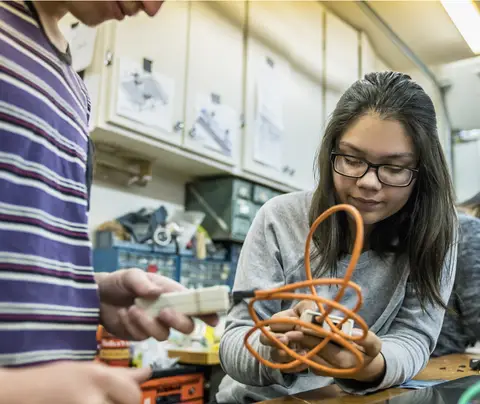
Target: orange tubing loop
335	334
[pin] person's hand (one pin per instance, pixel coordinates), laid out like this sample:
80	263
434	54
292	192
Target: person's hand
331	355
338	357
119	315
73	383
287	335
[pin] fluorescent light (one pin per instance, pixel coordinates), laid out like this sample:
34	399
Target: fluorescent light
466	17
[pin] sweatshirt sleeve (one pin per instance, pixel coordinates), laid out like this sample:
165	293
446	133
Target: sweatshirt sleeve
412	336
467	282
259	267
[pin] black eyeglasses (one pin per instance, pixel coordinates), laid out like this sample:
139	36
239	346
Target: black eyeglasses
387	174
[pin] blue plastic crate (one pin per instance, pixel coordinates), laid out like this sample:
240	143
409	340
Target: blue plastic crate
195	273
120	257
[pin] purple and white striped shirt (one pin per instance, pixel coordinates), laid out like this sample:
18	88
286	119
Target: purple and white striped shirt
49	307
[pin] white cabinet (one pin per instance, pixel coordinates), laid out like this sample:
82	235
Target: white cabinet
283	91
304	130
368	56
342	60
214	101
145	81
341	53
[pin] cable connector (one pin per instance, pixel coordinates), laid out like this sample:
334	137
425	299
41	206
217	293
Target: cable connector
239	295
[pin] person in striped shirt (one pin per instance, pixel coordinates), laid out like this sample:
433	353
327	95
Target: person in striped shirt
50	300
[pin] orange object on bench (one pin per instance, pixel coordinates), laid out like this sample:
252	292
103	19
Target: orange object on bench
166	387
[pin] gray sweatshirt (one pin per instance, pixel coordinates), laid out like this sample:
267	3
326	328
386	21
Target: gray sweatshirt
272	256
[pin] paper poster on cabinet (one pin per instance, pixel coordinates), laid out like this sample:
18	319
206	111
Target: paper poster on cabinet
145	96
216	124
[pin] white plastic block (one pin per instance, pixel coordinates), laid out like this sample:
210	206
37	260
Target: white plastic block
192	302
309	316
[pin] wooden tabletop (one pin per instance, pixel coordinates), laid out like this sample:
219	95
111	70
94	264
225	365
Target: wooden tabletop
445	368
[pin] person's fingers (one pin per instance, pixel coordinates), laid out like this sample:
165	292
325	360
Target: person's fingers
152	7
280	356
285	338
283	327
171	319
166	285
210	319
371	344
323	362
334	354
147	326
139	375
141	284
121	387
267	341
131	328
304	305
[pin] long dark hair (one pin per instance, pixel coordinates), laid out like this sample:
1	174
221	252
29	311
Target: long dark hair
422	232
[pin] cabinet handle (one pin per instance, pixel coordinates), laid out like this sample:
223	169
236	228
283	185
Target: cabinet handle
193	133
178	126
108	58
242	121
288	170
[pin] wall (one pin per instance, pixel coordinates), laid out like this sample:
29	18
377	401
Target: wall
463	95
110	200
462	79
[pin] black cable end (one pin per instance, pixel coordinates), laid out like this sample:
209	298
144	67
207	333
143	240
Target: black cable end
240	295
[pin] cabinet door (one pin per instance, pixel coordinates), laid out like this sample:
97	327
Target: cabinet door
342	61
284	46
369	58
146	78
331	99
304	129
214	102
341	53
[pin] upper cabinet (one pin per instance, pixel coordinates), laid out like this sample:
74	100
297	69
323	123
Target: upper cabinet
224	87
214	101
341	53
284	111
341	60
368	60
146	60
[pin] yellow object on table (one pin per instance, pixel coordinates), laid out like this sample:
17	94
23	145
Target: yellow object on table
195	356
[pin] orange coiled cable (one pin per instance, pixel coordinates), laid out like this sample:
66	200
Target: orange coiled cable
335	334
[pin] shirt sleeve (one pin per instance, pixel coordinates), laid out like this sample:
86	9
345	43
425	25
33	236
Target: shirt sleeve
259	267
412	336
467	283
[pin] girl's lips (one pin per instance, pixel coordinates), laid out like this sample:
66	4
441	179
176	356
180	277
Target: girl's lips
366	205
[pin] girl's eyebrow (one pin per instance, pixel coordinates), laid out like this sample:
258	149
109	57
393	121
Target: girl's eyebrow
388	156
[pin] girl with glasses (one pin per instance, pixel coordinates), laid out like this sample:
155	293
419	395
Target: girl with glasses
380	153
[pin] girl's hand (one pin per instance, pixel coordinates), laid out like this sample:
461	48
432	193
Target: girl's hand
331	355
336	356
287	335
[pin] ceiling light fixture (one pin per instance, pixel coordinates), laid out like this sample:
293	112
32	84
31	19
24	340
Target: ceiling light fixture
466	17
